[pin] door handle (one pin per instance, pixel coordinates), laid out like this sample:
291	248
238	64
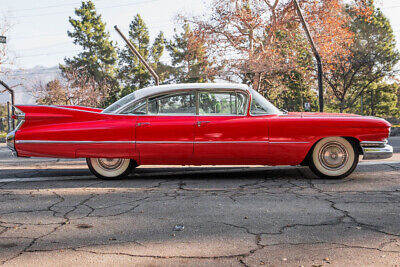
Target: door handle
142	124
199	123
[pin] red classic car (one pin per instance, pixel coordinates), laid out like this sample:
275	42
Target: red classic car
198	124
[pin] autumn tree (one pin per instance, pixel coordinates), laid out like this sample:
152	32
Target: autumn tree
98	59
190	61
372	57
261	41
52	93
132	73
74	89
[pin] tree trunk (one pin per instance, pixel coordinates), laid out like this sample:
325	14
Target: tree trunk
342	108
372	104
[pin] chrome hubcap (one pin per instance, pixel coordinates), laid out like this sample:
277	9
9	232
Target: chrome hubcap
333	156
110	164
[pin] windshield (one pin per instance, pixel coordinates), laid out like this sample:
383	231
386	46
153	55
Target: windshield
261	106
120	103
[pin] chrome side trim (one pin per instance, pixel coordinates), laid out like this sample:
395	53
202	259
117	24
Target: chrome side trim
164	142
71	142
373	143
289	142
231	142
150	142
376	150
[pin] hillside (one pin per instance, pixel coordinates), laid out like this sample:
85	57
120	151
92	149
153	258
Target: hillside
27	78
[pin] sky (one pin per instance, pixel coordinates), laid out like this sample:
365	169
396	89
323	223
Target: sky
38	36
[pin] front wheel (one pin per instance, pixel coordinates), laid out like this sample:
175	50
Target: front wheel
107	168
333	158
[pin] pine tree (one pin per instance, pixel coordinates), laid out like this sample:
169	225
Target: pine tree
132	73
189	57
98	59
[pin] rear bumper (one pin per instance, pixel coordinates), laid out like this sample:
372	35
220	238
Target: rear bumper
10	139
376	150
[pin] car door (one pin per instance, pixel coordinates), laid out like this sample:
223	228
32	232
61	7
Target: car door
165	135
225	134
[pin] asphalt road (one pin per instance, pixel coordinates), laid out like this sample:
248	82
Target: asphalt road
54	213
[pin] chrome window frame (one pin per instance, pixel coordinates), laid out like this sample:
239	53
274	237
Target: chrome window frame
169	95
176	92
196	91
266	114
224	91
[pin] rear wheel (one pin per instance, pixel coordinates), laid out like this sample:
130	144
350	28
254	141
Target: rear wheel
107	168
334	158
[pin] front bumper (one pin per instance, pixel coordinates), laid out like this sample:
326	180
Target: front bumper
10	139
376	150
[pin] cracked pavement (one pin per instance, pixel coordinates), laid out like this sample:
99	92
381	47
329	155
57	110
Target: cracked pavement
55	213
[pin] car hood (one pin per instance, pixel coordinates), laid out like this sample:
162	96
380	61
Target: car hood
362	121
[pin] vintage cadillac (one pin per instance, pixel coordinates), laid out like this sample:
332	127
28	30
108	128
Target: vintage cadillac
198	124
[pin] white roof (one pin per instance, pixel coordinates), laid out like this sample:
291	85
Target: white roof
184	86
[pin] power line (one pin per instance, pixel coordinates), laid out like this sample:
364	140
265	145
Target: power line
46	54
100	8
47	46
46	7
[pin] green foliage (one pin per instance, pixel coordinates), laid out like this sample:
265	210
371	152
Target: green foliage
99	57
290	88
132	73
189	59
384	102
3	118
372	58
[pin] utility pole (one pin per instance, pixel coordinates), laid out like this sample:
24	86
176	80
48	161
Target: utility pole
316	55
139	56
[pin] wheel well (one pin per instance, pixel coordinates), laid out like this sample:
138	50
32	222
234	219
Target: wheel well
354	141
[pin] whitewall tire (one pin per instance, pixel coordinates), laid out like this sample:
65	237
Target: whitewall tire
334	157
107	168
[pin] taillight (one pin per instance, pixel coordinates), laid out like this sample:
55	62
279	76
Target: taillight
19	115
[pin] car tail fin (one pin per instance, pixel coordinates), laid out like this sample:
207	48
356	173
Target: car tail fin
36	115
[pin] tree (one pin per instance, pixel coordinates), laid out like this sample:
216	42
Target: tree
98	59
380	99
53	93
3	118
247	35
74	89
132	73
261	42
372	58
189	59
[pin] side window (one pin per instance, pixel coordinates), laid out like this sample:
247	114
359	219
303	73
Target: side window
221	103
180	104
136	108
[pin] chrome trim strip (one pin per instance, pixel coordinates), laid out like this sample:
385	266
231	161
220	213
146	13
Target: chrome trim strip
150	142
231	142
369	143
71	142
289	142
164	142
196	92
